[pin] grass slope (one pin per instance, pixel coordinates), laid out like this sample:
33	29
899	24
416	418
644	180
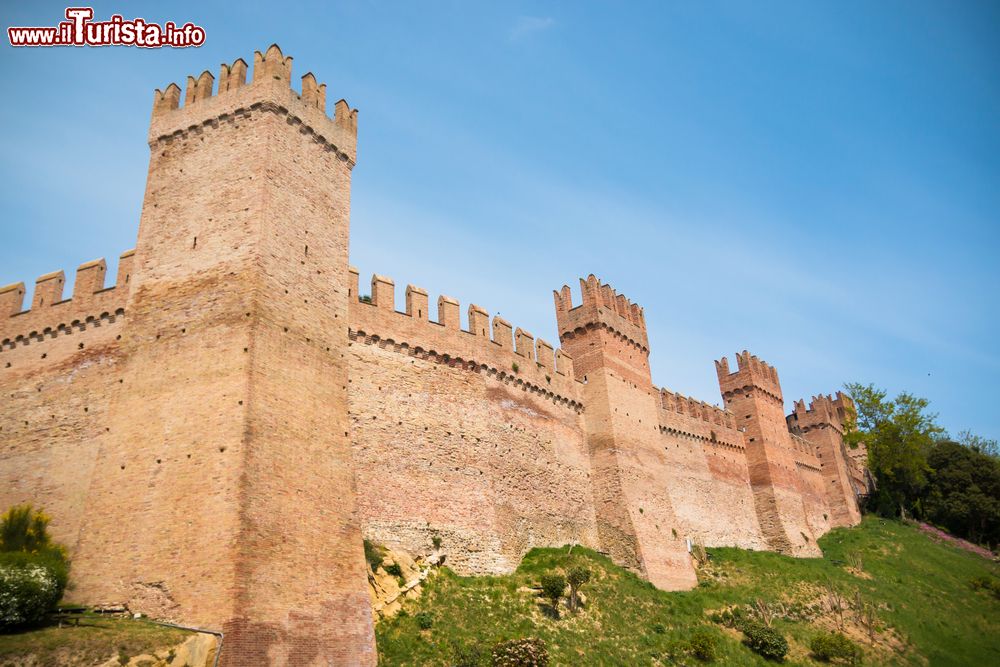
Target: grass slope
93	641
928	614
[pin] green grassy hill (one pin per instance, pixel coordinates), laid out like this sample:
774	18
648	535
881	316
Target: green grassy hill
925	610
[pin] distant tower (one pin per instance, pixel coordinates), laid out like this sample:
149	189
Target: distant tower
822	424
753	394
223	492
606	337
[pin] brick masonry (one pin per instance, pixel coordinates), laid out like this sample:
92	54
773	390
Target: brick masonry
215	434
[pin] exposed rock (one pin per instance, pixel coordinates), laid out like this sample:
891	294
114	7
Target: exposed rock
388	590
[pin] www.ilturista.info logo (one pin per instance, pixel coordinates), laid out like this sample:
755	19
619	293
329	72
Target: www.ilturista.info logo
80	30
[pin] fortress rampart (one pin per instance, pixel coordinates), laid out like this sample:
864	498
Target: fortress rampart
215	433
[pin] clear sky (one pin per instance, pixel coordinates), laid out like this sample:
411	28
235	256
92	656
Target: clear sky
817	182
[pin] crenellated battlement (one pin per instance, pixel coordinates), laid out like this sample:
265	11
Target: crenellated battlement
493	342
269	90
823	412
245	376
751	373
49	311
601	306
691	417
692	407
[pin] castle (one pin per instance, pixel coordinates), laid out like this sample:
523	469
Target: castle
216	433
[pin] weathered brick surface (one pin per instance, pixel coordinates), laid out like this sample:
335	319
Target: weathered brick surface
822	426
214	434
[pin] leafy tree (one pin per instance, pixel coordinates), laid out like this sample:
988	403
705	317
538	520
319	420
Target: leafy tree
963	492
553	586
898	434
578	576
979	444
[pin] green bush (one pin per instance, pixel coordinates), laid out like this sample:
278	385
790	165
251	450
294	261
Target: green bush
528	652
553	586
30	585
703	645
22	528
735	617
835	646
373	555
425	620
468	655
394	569
766	642
659	628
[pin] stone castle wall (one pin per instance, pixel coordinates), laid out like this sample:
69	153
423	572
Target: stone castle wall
214	434
450	441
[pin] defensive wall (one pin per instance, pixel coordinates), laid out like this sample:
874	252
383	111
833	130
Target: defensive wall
214	434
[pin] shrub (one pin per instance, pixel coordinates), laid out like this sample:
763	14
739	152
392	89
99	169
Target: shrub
514	367
30	585
736	617
373	555
425	620
24	529
553	586
766	642
394	569
470	655
835	646
527	652
703	645
436	541
659	628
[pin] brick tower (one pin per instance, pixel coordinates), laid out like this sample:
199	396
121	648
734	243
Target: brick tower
753	394
822	424
223	492
606	337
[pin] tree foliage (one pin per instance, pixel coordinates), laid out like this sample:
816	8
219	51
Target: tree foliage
33	568
898	434
963	492
22	528
919	471
577	577
979	444
553	586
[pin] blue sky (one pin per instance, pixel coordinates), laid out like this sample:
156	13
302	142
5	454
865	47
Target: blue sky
816	182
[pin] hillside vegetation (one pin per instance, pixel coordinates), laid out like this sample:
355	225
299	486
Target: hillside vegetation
900	596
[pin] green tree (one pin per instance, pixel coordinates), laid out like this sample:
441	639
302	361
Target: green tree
979	444
898	433
963	492
577	577
553	586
